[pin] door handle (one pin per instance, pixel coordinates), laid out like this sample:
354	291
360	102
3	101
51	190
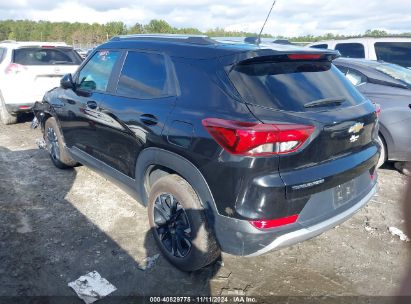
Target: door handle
91	104
148	119
409	105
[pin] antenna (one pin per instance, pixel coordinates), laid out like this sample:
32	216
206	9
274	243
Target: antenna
268	16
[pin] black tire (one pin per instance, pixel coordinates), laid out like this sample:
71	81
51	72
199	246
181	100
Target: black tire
5	117
403	167
383	155
203	249
56	146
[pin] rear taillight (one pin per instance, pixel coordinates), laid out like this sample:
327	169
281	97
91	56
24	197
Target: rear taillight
267	224
247	138
14	68
377	109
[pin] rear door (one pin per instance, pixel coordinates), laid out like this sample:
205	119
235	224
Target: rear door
314	93
40	68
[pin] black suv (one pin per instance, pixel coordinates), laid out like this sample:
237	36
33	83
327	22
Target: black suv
231	147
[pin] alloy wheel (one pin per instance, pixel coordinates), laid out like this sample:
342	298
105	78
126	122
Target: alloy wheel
53	144
172	225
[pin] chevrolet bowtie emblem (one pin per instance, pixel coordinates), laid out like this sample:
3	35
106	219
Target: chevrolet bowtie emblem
356	128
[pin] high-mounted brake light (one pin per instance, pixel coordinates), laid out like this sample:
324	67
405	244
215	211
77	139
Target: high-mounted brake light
14	68
267	224
47	46
256	139
304	56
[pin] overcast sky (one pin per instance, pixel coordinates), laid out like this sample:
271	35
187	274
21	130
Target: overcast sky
289	17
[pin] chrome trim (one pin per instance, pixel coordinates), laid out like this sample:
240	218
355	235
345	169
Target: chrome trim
312	231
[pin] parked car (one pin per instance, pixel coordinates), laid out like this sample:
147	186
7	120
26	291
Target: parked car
28	70
231	147
390	49
82	53
388	85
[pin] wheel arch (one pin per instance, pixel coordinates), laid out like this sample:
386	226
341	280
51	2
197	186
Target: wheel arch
153	163
387	140
44	111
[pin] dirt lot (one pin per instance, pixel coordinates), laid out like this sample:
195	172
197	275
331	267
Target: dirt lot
56	225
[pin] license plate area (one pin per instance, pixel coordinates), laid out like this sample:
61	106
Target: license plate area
344	193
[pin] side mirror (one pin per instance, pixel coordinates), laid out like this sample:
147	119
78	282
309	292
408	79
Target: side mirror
67	82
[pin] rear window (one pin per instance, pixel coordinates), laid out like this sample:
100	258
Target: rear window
394	52
290	85
395	71
46	56
351	50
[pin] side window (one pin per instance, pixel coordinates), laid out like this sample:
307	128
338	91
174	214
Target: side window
144	75
96	73
351	50
320	46
343	69
355	77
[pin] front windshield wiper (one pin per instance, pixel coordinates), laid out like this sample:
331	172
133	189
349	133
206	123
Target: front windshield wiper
325	102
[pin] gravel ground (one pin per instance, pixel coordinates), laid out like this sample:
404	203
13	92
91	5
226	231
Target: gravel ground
56	225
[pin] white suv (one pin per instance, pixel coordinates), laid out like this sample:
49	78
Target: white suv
394	50
28	70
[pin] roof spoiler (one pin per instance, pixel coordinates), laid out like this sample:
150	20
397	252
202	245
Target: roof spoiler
292	56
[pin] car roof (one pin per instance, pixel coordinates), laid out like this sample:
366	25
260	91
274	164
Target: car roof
367	67
364	39
18	44
358	62
362	63
203	47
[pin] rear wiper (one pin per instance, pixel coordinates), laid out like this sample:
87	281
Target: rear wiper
325	102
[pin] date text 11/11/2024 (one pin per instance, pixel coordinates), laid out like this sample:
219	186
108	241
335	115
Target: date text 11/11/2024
204	299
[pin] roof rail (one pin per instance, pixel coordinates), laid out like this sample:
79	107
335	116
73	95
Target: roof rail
192	39
8	41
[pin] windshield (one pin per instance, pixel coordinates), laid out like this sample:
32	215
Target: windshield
397	72
290	86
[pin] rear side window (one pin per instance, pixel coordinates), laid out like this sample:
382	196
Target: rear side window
46	56
96	73
394	52
351	50
144	75
355	77
290	85
320	46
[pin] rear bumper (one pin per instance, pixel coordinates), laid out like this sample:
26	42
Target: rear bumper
303	234
19	108
239	237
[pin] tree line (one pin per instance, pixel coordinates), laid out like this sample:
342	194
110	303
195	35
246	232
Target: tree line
84	33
